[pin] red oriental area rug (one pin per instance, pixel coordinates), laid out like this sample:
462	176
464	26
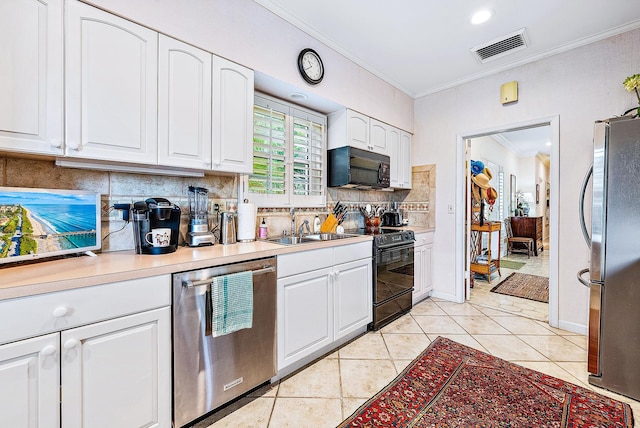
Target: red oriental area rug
452	385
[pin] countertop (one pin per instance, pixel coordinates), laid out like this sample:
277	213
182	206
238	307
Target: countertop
83	271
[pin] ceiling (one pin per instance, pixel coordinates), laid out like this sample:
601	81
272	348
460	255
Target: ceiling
424	46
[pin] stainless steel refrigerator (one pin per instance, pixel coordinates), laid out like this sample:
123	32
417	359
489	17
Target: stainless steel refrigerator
614	270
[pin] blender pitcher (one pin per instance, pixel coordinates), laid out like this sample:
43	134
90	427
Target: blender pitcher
199	231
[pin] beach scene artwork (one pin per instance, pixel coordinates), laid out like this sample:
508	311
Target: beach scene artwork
44	223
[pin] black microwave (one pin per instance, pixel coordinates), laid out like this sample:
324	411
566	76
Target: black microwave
356	168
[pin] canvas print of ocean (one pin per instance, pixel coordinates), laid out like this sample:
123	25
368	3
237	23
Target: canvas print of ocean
37	223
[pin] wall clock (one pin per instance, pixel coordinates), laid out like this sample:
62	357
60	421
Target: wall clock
310	66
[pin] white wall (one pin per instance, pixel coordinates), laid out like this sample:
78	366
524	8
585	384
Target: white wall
581	86
245	32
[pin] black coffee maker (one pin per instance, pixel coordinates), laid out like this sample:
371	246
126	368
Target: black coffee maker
156	226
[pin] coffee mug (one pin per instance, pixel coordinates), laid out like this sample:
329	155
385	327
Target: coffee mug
160	237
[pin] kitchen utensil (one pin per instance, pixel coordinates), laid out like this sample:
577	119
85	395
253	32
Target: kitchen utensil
329	225
227	228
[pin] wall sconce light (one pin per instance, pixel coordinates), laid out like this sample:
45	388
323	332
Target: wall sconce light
509	92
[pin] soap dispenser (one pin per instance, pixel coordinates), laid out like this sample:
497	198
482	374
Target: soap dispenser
316	224
263	231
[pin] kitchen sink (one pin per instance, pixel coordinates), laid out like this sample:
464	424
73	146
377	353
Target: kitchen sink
327	236
295	240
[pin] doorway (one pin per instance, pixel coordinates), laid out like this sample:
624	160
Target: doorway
463	228
517	164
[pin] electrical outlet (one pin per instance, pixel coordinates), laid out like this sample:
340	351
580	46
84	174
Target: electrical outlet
450	209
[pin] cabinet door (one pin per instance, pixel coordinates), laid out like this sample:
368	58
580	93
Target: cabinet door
395	170
305	311
232	117
30	383
423	282
358	130
379	136
31	94
353	296
111	87
184	105
405	161
418	273
117	373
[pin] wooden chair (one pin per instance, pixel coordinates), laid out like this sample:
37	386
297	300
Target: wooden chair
523	243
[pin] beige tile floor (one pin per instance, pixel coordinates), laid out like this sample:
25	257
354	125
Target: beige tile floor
329	390
481	294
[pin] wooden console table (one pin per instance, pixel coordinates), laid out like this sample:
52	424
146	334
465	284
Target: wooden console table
479	264
528	227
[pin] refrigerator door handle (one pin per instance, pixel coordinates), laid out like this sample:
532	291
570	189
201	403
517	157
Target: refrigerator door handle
581	279
583	223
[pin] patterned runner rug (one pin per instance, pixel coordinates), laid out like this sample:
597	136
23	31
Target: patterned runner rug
530	287
452	385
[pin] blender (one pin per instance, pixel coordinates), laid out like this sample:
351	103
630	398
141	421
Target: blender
199	232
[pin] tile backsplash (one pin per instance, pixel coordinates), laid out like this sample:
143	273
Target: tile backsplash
118	187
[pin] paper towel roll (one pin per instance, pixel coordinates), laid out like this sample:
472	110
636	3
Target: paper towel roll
246	222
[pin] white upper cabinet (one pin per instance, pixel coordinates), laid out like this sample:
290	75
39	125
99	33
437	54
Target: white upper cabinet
232	117
379	137
31	76
111	87
184	105
400	153
405	162
350	128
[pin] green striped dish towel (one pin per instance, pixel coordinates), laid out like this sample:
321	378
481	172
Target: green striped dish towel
231	303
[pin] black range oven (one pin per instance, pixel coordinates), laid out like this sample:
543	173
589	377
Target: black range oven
392	274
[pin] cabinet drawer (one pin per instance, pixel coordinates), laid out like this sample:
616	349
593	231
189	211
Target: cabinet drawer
304	261
46	313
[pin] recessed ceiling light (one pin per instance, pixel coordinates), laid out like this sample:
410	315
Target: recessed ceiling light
298	96
548	143
480	17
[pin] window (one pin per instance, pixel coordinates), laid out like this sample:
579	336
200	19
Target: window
288	155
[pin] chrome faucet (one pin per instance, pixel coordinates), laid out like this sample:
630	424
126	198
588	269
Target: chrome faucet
292	213
305	224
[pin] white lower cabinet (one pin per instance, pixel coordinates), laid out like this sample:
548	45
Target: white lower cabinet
423	282
96	369
323	295
121	364
353	297
305	322
30	382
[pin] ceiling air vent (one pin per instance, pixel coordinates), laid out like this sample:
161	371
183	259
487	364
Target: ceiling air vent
502	46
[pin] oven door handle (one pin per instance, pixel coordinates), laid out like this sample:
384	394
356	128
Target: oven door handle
189	283
397	247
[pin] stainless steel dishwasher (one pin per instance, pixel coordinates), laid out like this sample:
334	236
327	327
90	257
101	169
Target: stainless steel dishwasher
210	371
